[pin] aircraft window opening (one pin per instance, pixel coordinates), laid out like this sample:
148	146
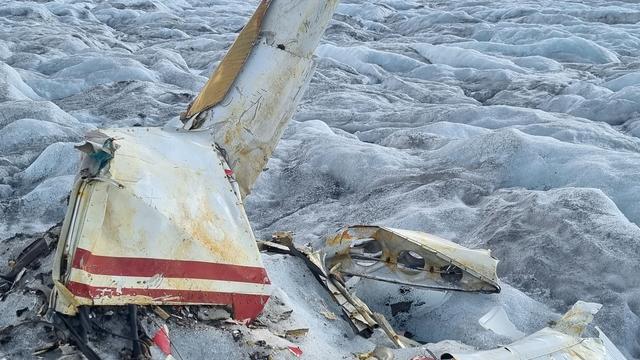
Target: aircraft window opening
411	260
366	252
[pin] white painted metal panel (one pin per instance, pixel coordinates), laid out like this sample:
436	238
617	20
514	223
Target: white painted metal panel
162	226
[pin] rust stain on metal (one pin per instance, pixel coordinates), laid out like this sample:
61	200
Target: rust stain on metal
410	258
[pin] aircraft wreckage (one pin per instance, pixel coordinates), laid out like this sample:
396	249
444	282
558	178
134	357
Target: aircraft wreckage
156	215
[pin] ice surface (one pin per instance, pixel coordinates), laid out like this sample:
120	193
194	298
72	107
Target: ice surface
508	125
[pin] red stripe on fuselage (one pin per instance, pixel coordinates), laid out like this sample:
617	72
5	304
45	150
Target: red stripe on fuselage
245	306
184	269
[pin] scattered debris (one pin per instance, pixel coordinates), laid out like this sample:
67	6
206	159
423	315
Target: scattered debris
380	352
563	340
161	340
329	315
161	312
277	317
410	258
35	250
194	244
390	255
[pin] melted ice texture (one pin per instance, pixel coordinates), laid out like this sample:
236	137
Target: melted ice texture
510	125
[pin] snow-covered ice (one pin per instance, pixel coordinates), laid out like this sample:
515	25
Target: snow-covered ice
511	125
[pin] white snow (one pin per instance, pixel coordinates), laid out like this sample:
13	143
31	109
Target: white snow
509	125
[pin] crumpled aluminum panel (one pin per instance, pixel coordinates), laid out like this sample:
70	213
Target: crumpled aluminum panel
164	225
411	258
562	341
546	344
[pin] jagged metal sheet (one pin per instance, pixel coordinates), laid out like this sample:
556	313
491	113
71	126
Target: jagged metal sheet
227	71
563	341
410	258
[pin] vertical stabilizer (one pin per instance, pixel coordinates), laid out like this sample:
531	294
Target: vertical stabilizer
253	94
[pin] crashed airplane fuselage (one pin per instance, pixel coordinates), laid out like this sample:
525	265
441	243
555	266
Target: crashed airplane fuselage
156	214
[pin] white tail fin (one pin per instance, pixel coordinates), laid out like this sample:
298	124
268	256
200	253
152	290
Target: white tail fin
253	94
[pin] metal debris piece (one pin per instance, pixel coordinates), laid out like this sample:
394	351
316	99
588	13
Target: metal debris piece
381	352
295	350
356	310
360	316
265	338
236	334
392	255
284	238
281	242
99	150
273	247
46	348
575	321
161	227
33	251
423	357
161	312
410	258
497	321
230	66
562	341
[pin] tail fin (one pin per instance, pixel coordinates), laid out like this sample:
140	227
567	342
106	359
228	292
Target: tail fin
253	93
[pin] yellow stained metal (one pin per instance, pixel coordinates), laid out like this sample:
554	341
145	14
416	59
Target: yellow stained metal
227	71
157	203
477	266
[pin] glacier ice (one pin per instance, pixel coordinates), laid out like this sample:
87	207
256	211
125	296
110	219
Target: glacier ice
507	125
